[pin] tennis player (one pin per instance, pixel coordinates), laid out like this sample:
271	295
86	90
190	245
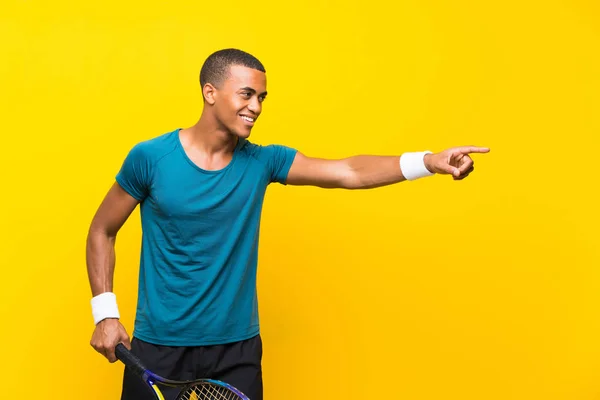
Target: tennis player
200	191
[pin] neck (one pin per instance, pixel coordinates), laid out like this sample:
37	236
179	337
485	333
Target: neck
209	137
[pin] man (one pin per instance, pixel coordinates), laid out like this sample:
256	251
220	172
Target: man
200	191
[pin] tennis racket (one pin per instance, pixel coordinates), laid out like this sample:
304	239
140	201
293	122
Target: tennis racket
201	389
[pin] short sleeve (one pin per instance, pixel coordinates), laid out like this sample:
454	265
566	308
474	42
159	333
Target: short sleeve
280	161
135	173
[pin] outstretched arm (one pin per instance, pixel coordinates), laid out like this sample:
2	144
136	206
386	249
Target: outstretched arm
371	171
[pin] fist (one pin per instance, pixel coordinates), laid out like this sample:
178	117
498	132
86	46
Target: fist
107	335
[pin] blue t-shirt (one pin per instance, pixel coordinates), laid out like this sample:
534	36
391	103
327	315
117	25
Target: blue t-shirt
197	280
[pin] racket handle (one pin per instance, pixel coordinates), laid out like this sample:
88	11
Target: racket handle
130	360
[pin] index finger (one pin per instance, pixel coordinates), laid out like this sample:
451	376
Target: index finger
473	149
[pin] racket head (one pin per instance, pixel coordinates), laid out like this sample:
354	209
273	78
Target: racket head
210	389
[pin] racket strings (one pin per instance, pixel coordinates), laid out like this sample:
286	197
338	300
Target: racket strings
207	391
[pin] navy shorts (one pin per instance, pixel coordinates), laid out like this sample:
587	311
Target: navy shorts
238	364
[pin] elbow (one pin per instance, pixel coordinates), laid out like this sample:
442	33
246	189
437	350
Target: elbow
98	242
352	181
356	176
100	231
357	181
99	239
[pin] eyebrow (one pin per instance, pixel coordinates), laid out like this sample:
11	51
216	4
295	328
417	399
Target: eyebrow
248	88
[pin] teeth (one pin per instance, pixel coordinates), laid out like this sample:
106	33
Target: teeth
247	118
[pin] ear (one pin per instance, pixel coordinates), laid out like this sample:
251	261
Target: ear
209	93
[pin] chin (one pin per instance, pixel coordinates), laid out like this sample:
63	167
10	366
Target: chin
242	133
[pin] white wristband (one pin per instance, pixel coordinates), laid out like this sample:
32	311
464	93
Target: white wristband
104	306
413	166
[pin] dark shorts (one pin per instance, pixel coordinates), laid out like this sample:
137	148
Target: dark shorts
238	364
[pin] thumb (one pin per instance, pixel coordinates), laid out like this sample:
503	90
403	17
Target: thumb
125	340
449	169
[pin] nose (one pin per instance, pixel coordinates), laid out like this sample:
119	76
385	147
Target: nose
255	105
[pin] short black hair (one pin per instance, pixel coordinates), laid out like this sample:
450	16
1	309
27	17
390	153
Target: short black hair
216	67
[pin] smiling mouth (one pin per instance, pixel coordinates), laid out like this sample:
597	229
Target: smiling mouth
247	119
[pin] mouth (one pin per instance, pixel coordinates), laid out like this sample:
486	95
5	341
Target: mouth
249	121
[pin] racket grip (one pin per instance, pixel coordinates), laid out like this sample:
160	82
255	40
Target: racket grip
130	360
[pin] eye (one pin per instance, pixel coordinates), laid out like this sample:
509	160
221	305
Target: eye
262	98
246	94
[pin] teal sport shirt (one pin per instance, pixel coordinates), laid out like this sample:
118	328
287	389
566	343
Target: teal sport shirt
198	263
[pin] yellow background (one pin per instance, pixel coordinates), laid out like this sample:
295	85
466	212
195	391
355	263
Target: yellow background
487	288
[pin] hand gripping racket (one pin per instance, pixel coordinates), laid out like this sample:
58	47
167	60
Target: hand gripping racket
201	389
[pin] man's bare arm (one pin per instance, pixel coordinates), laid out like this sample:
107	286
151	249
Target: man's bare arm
372	171
114	210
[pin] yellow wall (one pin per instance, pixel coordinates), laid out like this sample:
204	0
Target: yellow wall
483	289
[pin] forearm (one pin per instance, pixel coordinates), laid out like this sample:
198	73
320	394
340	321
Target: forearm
368	171
108	332
100	258
358	172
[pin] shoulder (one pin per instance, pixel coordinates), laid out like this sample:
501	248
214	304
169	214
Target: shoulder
154	149
264	152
